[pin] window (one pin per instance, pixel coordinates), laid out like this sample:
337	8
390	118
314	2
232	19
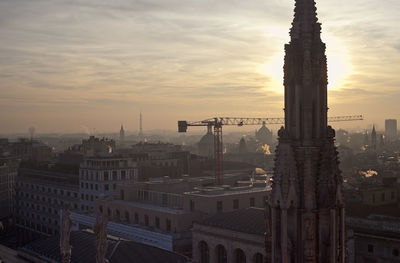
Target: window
87	185
373	198
204	252
114	175
118	215
108	212
122	194
101	209
146	220
114	186
191	205
106	187
395	252
136	218
252	202
219	206
168	223
123	175
221	254
383	197
236	204
370	248
91	186
157	222
392	196
105	176
127	216
96	187
240	256
258	258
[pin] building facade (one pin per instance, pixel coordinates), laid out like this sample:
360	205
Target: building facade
39	197
8	174
99	176
171	206
232	237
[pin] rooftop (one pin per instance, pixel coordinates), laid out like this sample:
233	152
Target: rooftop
214	191
249	221
118	251
148	206
49	176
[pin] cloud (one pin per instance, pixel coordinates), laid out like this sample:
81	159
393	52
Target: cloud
171	56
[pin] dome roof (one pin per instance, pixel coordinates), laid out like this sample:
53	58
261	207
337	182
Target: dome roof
263	130
207	139
206	144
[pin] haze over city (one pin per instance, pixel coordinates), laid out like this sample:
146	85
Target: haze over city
66	66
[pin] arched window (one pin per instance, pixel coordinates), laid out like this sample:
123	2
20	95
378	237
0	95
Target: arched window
240	257
258	258
127	216
221	254
204	252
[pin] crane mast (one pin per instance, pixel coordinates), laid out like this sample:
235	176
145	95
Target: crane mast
218	122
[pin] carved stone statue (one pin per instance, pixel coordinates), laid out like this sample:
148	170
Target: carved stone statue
100	231
268	220
66	224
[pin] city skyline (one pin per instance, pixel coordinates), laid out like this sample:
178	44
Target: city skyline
61	73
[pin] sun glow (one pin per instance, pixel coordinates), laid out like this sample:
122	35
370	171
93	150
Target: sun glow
339	66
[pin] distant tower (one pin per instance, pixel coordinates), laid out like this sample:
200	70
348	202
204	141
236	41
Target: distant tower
122	134
390	130
366	138
373	138
242	146
141	127
306	209
31	132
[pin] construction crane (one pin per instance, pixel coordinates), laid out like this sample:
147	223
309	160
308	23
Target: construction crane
218	122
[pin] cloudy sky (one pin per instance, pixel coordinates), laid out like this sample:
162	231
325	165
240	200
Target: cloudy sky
72	65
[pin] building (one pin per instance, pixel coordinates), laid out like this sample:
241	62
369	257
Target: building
93	146
306	204
99	175
231	237
264	135
84	251
39	197
206	144
379	195
373	233
390	130
8	173
155	160
25	149
171	206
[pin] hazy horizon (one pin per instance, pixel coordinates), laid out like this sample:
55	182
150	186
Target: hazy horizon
68	66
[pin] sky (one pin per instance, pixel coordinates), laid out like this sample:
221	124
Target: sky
78	65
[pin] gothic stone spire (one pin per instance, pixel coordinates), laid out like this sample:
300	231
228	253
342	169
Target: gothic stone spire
307	210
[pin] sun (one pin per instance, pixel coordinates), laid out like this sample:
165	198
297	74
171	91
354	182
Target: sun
339	66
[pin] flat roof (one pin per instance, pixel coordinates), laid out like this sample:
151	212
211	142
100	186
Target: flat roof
222	191
150	207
